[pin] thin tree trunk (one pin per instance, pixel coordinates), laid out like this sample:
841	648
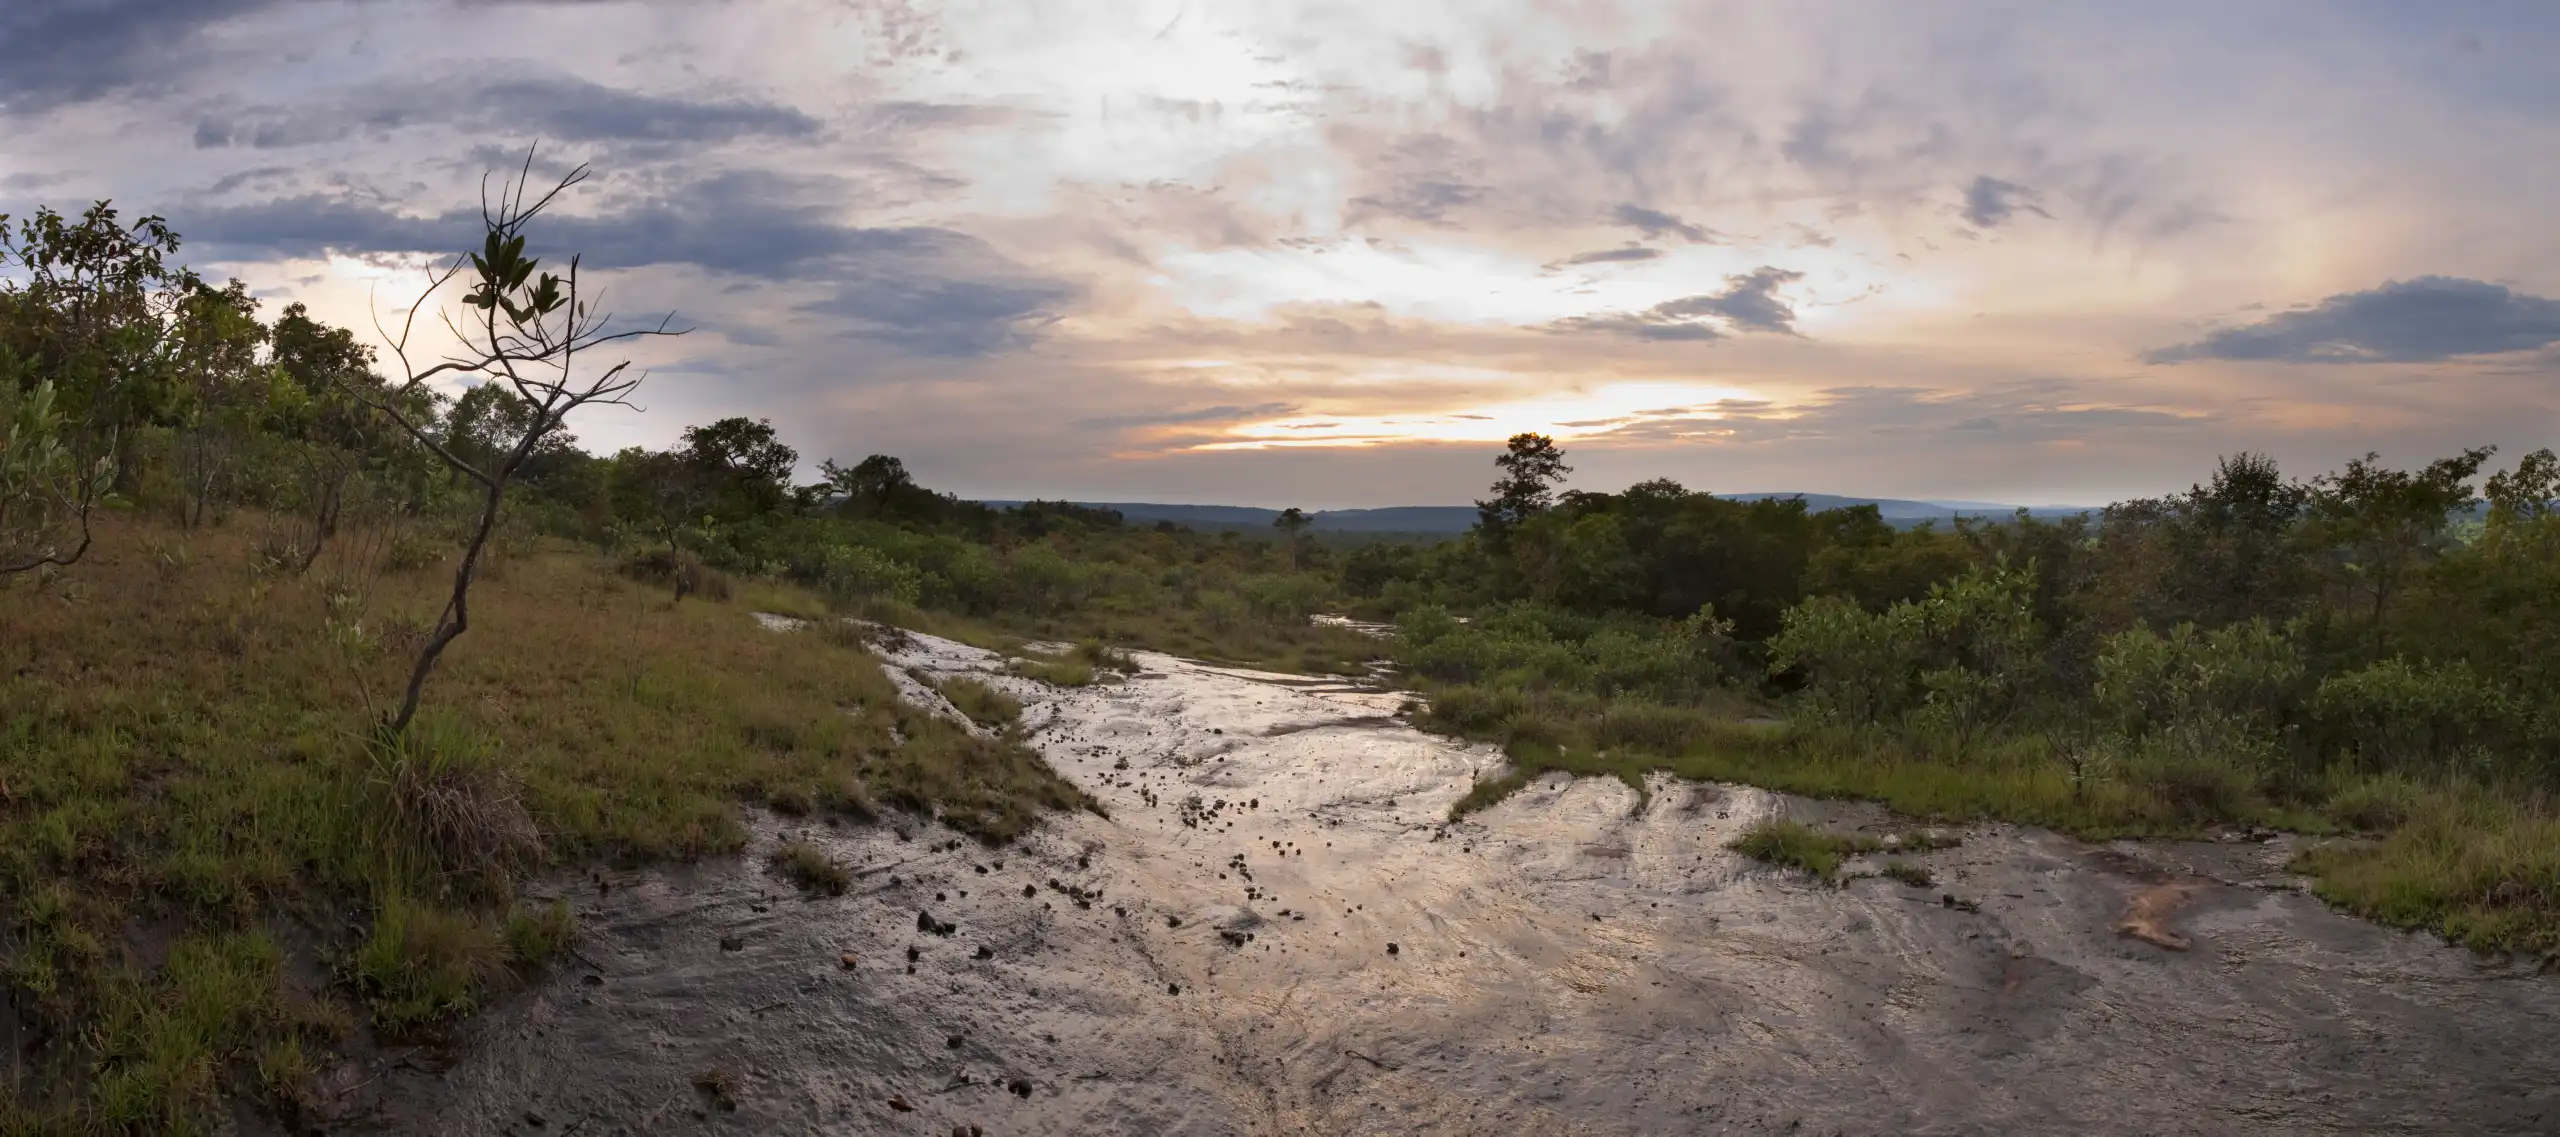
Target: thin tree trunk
457	611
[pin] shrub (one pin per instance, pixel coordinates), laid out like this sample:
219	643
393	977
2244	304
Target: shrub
2396	714
811	868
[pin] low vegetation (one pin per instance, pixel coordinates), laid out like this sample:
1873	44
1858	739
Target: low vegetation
1823	853
2366	652
304	671
191	750
982	703
809	866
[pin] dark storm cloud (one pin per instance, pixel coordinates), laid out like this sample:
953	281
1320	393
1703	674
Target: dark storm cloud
1655	223
921	289
64	51
2424	320
1749	303
746	223
1990	201
945	306
561	108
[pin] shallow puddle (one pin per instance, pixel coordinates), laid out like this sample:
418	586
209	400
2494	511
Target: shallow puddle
1276	931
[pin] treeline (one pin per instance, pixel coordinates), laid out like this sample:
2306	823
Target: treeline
2250	636
2352	649
131	384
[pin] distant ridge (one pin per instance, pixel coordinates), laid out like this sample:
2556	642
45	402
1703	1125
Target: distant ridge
1452	519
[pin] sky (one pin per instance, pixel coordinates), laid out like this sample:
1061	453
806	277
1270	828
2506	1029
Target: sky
1331	254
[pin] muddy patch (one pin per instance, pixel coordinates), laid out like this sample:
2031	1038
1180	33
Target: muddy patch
1278	931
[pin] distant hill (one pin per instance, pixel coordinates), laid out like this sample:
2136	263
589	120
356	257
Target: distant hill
1452	519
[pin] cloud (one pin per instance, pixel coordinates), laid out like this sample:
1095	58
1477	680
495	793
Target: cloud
2424	320
747	223
1655	223
1223	413
1427	201
2021	413
923	290
1609	256
557	108
1749	303
54	52
1990	201
961	303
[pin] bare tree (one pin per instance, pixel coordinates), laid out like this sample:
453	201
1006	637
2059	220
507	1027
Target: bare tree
530	331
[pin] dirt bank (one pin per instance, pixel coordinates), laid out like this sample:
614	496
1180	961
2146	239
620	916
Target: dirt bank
1275	932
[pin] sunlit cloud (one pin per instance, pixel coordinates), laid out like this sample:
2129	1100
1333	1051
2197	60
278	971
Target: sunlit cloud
1173	247
1567	416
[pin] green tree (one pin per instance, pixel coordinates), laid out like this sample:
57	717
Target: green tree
223	393
1532	467
744	467
872	487
47	489
83	307
2379	526
1293	524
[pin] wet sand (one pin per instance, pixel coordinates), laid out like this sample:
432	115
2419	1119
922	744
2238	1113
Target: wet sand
1277	932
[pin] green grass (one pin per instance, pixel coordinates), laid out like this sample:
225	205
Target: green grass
1056	672
2479	866
1793	844
985	706
186	747
1173	628
811	868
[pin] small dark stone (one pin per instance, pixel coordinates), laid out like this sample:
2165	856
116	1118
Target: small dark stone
954	1042
985	952
593	981
1392	949
913	954
1020	1088
733	943
1030	890
533	1119
1173	988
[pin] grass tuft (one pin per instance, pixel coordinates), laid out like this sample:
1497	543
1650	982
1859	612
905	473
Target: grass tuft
1794	844
811	868
1056	672
985	705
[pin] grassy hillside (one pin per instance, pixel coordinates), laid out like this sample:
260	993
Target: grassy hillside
216	874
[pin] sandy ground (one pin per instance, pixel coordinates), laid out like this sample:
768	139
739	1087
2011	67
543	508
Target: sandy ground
1276	932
